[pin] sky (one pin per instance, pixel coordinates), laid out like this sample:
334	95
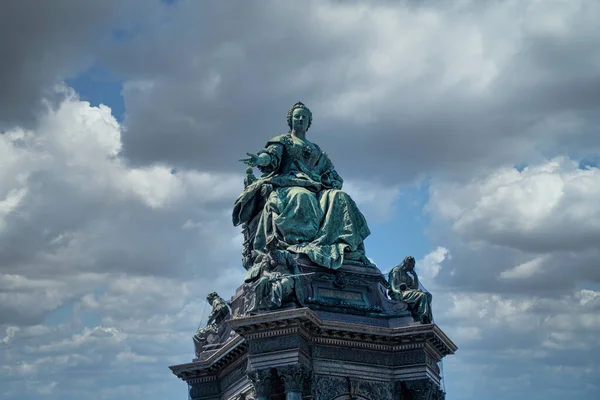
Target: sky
467	131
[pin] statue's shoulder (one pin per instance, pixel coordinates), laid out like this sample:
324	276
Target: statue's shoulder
394	270
284	139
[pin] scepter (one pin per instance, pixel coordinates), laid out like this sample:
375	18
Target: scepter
292	276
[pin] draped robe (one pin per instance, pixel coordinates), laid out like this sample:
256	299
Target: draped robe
299	203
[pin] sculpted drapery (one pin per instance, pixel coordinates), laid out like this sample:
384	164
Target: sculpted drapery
298	203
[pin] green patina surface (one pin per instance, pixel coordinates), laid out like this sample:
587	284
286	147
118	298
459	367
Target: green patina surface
298	205
404	286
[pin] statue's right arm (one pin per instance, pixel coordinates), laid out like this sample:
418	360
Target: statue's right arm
263	160
270	158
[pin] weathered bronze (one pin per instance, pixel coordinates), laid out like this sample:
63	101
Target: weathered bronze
214	328
298	203
272	280
314	318
404	286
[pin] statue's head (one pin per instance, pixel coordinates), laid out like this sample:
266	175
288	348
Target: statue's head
212	296
408	264
299	117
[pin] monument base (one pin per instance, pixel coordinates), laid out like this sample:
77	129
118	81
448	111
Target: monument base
306	354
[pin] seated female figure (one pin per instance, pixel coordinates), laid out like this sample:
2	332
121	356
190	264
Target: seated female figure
298	203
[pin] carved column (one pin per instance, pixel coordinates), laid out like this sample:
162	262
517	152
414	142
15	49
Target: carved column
261	380
293	377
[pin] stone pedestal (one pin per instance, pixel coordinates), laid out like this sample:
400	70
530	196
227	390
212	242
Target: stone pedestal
297	354
342	339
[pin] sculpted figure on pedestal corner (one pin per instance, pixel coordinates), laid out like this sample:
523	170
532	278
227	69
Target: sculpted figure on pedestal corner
404	286
215	326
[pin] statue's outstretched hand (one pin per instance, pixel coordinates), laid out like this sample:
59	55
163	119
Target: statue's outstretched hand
252	160
256	161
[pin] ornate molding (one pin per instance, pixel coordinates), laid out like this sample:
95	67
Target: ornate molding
304	319
220	359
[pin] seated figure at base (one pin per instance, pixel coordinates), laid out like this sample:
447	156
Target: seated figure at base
272	279
298	201
404	286
214	328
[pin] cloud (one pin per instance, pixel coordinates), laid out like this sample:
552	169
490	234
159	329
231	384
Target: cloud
105	267
520	283
10	333
43	44
545	207
81	217
429	267
535	229
111	234
502	337
376	200
524	270
398	92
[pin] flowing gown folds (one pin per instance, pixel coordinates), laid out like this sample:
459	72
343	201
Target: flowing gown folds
299	203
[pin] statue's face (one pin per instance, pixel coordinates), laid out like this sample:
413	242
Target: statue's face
300	120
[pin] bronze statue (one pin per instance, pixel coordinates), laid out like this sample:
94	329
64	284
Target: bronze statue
298	202
272	279
404	286
214	328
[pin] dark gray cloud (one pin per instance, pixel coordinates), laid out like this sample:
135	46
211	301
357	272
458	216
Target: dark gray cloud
423	89
42	43
536	231
73	216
